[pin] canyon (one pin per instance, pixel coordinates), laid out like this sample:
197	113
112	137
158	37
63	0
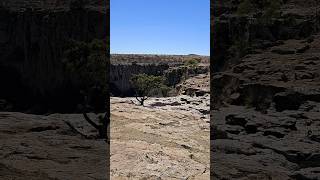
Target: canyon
172	67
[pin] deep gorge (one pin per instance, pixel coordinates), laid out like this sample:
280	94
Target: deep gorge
120	75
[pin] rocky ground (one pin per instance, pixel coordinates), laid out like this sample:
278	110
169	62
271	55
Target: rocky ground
38	147
168	138
265	121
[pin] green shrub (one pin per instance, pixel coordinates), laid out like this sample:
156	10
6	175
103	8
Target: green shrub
192	62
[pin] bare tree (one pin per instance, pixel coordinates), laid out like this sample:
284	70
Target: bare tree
88	63
144	84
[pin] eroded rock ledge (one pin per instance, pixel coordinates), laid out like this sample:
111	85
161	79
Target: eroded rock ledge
266	115
265	105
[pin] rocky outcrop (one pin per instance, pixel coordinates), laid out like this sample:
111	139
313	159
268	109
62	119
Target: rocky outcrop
265	103
277	145
267	108
198	85
180	74
33	35
235	35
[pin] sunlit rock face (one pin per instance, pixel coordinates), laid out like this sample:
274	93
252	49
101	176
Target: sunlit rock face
33	35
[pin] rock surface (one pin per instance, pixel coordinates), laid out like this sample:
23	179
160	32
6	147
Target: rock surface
265	104
198	85
38	147
266	122
168	138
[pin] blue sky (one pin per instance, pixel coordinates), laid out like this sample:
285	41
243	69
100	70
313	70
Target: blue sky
160	26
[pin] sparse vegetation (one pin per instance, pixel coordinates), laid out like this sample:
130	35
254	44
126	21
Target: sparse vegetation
87	64
192	62
144	85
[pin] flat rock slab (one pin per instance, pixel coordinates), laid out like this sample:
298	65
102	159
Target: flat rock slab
159	142
44	147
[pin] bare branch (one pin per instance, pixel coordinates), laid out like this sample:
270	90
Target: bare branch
86	117
76	131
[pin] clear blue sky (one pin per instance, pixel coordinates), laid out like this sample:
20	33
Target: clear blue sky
160	26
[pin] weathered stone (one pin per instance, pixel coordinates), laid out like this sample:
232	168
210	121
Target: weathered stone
44	147
236	120
146	140
288	101
283	51
275	95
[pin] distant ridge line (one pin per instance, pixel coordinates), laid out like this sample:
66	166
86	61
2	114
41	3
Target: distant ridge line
156	58
125	54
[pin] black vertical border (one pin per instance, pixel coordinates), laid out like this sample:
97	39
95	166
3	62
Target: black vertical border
108	94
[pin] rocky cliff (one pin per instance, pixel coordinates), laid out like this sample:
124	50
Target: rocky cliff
33	35
265	103
170	66
230	31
